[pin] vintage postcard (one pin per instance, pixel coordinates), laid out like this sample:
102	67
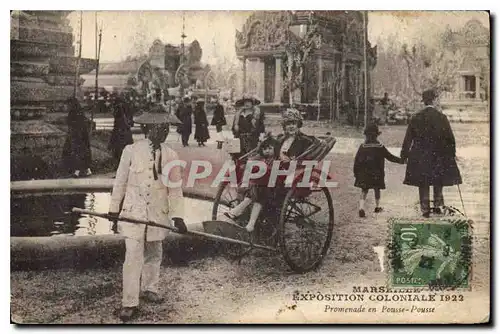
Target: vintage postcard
248	167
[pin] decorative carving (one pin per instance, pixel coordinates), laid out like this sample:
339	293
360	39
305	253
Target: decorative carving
354	35
475	33
264	31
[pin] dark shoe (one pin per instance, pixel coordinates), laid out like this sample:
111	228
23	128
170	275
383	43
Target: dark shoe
378	209
152	297
128	313
426	214
437	211
362	213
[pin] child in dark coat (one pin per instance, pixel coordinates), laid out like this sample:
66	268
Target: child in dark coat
369	167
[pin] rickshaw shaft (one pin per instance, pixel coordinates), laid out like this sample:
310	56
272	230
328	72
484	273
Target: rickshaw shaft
174	229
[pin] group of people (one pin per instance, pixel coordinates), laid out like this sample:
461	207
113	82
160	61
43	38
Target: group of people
77	153
139	193
192	107
428	150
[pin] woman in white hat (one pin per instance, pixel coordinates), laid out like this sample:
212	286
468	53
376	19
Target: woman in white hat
139	193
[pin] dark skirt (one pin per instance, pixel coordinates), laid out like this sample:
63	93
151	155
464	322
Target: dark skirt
120	138
201	133
259	193
370	182
76	153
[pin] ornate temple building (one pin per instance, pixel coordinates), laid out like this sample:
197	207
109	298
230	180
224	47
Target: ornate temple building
43	72
333	73
157	69
472	85
43	64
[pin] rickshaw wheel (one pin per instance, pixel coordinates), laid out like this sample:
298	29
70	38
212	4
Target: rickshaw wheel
304	241
227	197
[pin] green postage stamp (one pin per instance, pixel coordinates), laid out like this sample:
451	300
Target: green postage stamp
434	254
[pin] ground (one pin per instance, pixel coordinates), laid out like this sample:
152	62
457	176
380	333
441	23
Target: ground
237	290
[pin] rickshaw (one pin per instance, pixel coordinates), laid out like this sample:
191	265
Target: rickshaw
297	221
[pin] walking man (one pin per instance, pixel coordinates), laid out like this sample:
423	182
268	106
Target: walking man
429	148
185	114
139	193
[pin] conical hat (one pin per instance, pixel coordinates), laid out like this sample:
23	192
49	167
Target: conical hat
157	115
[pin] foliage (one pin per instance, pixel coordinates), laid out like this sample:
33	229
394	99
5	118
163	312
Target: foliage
431	67
404	71
298	51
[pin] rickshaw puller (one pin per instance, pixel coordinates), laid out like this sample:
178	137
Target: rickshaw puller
139	193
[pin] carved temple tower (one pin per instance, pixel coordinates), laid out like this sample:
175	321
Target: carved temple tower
333	73
43	75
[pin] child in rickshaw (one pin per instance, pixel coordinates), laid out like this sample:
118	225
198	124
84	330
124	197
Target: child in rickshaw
369	167
286	147
258	191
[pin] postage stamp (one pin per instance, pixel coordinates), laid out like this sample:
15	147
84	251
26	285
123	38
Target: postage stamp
435	254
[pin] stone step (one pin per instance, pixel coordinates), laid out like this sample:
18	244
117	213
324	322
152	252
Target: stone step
43	35
20	49
24	112
29	68
32	91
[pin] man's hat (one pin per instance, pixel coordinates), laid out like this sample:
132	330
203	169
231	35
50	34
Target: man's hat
157	115
429	95
241	102
372	129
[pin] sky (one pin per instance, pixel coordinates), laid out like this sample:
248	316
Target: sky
215	30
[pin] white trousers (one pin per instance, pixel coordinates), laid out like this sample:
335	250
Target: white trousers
141	269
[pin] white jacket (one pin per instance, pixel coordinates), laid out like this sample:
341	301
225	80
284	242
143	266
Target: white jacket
144	197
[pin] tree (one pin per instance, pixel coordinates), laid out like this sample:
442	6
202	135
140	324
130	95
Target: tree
432	67
298	51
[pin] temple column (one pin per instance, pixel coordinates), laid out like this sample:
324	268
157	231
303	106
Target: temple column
320	79
244	75
478	87
260	78
278	80
256	82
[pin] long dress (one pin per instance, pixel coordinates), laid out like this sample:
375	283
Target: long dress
201	134
76	150
121	135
